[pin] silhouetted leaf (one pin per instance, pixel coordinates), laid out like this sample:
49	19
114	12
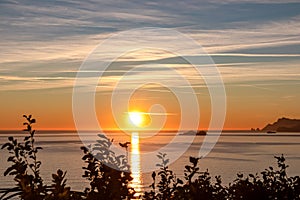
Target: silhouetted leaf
179	181
194	160
240	175
26	138
102	136
9	169
10	158
153	175
166	161
188	168
8	145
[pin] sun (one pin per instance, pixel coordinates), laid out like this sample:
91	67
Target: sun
136	118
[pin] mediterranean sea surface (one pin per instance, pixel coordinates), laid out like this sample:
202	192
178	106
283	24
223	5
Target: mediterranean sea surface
234	152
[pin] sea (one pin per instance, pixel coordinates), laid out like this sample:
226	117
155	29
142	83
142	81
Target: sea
234	152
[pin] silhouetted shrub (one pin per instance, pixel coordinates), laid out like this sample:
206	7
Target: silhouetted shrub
168	184
170	187
274	184
109	175
25	167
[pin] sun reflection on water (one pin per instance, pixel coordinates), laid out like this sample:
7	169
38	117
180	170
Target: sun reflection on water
135	163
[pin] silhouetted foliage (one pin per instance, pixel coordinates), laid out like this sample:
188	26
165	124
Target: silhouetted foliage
25	167
109	176
274	184
170	187
167	186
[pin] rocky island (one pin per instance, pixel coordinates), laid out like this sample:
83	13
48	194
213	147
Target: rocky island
283	125
194	133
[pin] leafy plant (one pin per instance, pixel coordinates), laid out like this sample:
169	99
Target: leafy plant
59	191
25	166
109	174
168	185
274	184
26	171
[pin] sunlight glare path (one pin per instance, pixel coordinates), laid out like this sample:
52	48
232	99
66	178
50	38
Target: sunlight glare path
135	163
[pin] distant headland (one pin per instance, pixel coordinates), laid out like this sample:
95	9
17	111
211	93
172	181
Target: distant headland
283	125
194	133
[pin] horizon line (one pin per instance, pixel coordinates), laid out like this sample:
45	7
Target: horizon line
118	130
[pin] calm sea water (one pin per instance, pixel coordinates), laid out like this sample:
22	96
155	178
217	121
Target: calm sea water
233	153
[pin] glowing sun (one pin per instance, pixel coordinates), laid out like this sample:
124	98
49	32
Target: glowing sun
136	118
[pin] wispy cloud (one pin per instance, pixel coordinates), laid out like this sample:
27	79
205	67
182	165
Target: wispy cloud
254	43
47	42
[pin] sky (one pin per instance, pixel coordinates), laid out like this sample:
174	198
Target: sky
255	45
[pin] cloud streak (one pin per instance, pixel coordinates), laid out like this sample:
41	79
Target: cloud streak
47	42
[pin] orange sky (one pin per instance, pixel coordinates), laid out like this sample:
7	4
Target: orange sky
256	50
54	111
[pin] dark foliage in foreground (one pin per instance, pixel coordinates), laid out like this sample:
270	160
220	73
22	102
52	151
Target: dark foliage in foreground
270	184
109	176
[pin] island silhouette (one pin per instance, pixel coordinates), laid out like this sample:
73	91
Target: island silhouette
283	125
